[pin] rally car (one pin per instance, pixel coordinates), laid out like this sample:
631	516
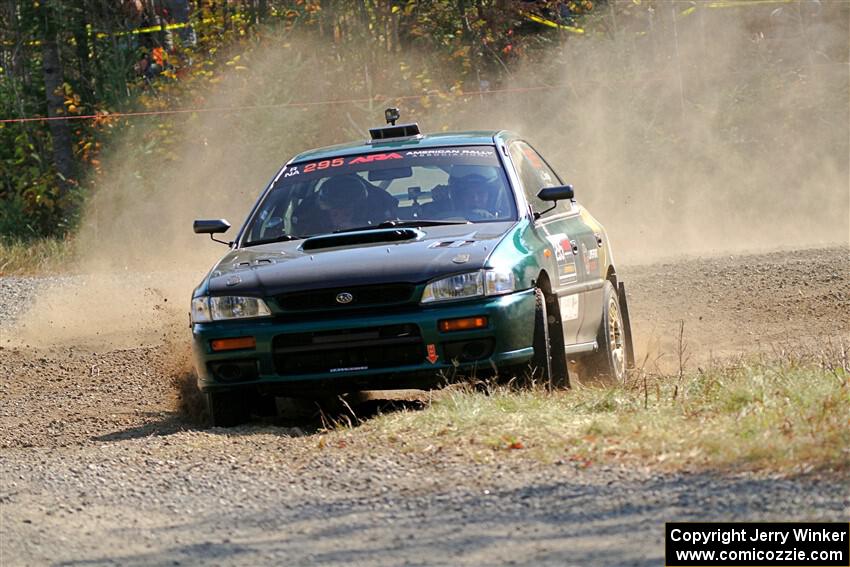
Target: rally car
403	259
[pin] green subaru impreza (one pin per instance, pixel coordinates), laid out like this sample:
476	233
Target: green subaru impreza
397	261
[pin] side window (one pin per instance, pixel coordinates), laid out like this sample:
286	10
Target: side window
271	220
534	175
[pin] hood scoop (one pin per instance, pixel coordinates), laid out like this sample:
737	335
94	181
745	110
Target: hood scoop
244	264
452	244
365	237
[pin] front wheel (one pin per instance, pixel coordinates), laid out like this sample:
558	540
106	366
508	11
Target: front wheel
608	363
549	360
227	409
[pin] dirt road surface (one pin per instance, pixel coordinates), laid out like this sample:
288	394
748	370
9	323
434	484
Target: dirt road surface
98	468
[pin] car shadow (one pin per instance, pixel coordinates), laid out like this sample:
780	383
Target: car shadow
168	424
289	416
293	418
342	411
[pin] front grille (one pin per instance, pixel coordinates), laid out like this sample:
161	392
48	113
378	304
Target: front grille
363	296
348	350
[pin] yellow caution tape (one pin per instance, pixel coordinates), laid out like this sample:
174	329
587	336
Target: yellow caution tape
730	4
739	3
529	15
550	23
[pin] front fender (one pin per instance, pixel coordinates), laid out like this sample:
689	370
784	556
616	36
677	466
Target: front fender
523	252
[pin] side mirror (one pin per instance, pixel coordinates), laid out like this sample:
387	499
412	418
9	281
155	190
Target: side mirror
559	193
211	227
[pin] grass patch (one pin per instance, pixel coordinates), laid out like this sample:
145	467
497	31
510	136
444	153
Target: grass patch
791	415
37	256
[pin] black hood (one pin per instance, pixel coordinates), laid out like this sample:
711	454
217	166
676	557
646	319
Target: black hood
424	254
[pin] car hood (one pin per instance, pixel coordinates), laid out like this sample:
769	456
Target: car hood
423	254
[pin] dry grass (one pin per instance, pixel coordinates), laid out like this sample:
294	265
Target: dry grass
786	413
40	256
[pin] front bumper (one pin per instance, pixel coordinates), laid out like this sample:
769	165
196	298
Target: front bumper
507	339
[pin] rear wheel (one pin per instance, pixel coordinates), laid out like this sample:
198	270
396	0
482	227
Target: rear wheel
227	409
608	363
627	325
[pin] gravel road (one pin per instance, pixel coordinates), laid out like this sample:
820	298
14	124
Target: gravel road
99	469
257	496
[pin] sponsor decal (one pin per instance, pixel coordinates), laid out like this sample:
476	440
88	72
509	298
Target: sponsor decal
591	259
369	158
432	354
563	256
324	164
374	157
442	152
532	157
557	240
569	307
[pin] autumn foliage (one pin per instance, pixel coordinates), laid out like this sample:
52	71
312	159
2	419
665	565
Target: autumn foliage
94	61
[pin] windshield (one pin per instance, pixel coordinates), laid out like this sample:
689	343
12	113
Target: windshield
465	183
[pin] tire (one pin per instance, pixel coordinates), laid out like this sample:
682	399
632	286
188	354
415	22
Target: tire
549	363
627	322
608	364
227	409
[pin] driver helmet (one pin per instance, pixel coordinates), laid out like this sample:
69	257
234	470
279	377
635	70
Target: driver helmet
474	187
342	192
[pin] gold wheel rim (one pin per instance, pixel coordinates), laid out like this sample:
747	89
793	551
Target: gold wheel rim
616	340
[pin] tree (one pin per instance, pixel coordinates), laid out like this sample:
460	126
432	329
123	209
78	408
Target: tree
54	85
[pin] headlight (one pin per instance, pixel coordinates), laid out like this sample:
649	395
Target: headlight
201	310
206	309
472	284
454	287
498	283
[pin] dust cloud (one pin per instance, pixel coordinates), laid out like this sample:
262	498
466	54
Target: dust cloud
720	131
726	130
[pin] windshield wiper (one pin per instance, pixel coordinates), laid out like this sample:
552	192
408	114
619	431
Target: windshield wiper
280	238
398	223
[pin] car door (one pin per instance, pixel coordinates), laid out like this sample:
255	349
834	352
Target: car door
565	230
594	262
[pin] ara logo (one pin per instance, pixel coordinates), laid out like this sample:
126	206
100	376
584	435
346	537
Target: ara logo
374	157
291	171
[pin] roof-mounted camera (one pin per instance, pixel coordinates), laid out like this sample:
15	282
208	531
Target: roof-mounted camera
392	114
394	131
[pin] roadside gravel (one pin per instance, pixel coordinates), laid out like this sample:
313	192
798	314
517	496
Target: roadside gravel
741	304
261	496
17	295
